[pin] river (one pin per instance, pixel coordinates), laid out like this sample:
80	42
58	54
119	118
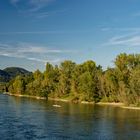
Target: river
26	118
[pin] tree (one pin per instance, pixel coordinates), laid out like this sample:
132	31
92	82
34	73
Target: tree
86	86
110	85
66	71
134	95
18	86
84	82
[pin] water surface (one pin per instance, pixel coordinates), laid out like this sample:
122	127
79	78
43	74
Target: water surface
24	118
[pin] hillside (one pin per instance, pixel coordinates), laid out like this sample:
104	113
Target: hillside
11	72
4	76
14	71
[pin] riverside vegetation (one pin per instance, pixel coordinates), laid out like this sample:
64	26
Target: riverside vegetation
83	82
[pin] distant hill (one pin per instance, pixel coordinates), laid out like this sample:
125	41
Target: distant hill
4	76
14	71
11	72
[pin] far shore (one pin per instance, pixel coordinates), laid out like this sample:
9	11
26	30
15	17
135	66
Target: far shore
122	105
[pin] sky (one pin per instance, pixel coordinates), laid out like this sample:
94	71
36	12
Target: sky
34	32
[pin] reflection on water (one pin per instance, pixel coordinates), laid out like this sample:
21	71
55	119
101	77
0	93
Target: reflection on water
22	118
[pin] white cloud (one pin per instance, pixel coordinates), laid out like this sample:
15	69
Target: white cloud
33	52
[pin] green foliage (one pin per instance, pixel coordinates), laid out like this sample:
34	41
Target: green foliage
110	87
87	86
66	70
84	82
18	85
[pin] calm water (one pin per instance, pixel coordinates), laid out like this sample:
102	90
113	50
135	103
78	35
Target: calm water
22	118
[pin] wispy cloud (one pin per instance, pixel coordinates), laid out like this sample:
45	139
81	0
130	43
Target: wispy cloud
14	2
31	5
122	29
34	8
125	36
124	40
105	29
46	32
131	41
45	14
54	61
35	32
33	52
38	4
136	14
33	48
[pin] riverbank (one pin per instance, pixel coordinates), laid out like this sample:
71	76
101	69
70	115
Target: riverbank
130	107
112	103
26	96
122	105
58	99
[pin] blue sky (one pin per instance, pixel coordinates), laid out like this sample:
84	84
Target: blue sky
33	32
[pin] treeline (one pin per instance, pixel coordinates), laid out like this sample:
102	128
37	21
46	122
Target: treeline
84	82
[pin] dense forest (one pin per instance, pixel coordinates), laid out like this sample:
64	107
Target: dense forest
83	82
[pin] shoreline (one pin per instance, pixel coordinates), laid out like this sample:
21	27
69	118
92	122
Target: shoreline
26	96
58	99
119	104
110	103
131	107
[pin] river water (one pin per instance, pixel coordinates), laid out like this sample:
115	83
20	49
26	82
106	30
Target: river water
25	118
